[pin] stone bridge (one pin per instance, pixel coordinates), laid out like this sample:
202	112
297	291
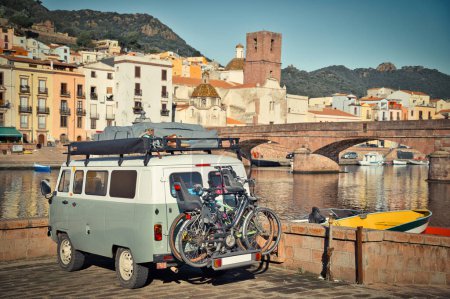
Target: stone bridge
329	139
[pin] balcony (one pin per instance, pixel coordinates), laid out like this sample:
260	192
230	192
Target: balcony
81	95
81	112
137	109
94	115
24	89
65	93
25	109
138	92
110	97
165	112
5	105
110	116
43	110
94	96
64	111
164	94
43	91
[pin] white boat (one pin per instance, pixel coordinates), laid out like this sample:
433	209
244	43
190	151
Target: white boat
419	162
399	162
372	159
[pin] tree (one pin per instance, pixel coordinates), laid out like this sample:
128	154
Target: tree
84	39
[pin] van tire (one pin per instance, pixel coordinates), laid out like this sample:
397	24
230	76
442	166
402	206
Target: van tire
69	259
130	274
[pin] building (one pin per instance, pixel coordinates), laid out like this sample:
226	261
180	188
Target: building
8	114
61	52
263	57
111	47
7	38
234	71
91	56
143	85
320	102
101	105
297	108
37	49
347	103
379	92
330	115
409	99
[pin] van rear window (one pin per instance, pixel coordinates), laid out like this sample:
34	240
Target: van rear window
64	181
123	183
96	182
189	178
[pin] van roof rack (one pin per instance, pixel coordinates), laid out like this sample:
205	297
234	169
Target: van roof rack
150	145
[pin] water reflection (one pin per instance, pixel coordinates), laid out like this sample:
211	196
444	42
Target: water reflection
369	188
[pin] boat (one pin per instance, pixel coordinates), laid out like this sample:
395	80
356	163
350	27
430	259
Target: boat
322	215
399	162
418	162
410	221
265	163
372	159
41	168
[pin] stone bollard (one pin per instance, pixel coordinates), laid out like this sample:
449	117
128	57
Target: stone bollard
439	170
305	162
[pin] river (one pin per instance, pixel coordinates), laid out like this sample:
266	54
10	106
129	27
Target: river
379	188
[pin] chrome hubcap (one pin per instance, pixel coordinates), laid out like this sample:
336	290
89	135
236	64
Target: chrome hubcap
65	252
126	265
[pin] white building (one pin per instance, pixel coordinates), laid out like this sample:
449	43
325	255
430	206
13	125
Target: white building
63	52
91	56
379	92
297	108
347	103
100	101
142	85
410	99
234	71
36	49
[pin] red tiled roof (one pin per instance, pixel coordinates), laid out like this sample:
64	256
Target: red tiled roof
232	121
333	112
443	111
414	92
371	98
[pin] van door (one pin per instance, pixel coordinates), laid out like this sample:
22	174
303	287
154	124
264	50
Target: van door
59	208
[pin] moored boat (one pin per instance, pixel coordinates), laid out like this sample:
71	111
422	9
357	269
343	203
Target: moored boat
372	159
418	162
41	168
410	221
322	215
399	162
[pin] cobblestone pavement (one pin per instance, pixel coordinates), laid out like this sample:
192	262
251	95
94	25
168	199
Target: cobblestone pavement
43	278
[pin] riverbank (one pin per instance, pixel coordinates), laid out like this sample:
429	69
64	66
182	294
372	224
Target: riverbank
52	156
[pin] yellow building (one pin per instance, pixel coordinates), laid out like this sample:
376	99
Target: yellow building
366	112
420	112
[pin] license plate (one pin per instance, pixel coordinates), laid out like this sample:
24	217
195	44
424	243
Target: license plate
236	259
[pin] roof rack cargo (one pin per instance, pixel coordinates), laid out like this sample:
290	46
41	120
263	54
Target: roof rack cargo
150	145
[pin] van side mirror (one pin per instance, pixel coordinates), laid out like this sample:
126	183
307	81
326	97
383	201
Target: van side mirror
46	190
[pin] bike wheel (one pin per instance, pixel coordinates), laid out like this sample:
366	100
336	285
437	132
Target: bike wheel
262	230
173	233
191	243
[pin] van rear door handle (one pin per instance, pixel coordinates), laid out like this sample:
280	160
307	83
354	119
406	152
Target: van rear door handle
65	202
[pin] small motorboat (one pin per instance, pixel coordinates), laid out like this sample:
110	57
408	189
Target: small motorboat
399	162
322	215
410	221
372	159
41	168
418	162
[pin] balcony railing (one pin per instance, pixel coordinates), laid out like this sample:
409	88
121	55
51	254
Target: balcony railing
165	112
110	97
43	110
81	112
42	90
81	95
65	93
24	89
25	109
110	116
94	96
138	92
94	115
137	109
64	111
164	94
6	105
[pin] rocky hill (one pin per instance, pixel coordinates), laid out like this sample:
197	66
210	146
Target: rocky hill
134	31
338	78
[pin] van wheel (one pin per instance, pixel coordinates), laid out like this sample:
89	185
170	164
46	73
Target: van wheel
130	274
69	258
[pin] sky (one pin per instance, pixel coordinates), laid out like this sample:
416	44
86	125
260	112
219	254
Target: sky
315	34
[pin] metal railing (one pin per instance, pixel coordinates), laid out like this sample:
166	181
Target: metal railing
81	95
65	93
43	110
138	92
165	112
24	89
42	90
25	109
81	112
137	109
94	96
164	94
64	111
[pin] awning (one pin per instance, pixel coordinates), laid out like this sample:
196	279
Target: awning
10	132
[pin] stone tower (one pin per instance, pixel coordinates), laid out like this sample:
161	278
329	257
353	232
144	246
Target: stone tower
263	59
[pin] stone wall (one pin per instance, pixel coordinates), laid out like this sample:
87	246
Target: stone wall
388	257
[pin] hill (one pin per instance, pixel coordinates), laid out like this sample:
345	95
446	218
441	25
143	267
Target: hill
134	31
338	78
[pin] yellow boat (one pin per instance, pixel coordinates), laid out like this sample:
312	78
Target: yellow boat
410	221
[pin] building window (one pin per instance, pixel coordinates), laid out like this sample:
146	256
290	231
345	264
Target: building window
79	90
23	102
42	86
93	74
109	90
79	122
164	93
355	111
412	113
164	75
398	115
271	44
137	89
1	78
420	115
24	121
391	117
367	114
93	123
63	88
255	44
137	71
429	114
63	121
109	122
2	120
41	122
110	76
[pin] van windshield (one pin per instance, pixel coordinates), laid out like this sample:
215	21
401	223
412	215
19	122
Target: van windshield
188	178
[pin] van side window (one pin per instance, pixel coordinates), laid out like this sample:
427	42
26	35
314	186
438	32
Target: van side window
188	178
64	182
123	183
78	181
96	182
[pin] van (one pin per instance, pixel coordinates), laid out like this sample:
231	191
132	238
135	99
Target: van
121	206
